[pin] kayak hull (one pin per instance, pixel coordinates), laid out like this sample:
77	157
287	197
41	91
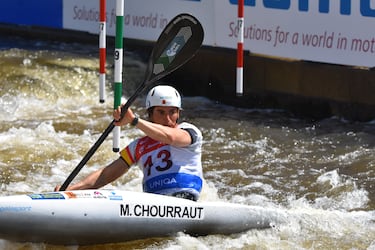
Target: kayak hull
103	216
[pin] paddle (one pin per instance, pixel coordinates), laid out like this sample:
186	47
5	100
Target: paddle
177	44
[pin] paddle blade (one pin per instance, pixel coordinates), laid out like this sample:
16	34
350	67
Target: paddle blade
177	44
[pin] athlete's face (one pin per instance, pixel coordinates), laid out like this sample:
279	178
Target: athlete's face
166	116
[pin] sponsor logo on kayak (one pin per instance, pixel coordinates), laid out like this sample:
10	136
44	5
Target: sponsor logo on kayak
95	195
99	195
47	196
160	211
70	195
73	195
15	209
114	196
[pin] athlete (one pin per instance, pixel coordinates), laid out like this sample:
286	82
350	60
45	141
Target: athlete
169	154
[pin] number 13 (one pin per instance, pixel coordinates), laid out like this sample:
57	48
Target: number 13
164	156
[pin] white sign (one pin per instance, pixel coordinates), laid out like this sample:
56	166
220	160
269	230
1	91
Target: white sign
143	19
339	32
323	31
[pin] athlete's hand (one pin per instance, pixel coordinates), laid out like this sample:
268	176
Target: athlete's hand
128	117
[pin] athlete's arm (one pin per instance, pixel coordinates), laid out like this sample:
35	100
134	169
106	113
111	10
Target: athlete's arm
101	177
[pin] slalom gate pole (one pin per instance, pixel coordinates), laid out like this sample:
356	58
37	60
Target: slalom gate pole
240	27
102	50
118	67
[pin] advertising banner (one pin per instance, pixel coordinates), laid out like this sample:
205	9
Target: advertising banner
143	19
43	13
338	32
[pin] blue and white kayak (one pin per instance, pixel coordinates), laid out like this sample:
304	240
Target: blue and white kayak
106	216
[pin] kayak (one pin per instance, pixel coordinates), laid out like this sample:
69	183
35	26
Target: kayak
85	217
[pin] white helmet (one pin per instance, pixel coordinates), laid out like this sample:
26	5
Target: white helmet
163	95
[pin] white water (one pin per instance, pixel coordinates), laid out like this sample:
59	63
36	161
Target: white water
321	174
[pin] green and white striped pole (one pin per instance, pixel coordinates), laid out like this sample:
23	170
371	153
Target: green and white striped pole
118	68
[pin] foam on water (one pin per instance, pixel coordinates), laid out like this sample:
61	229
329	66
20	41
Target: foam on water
319	174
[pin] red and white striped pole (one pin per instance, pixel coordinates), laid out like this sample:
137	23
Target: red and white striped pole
102	50
240	27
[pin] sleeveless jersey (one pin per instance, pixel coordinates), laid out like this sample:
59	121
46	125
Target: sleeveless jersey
168	169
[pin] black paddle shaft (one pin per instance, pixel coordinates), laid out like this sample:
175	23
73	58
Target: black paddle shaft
177	44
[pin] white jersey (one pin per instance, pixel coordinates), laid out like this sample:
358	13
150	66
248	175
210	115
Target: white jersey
168	169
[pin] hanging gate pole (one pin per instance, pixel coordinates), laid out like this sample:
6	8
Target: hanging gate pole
102	50
240	27
118	67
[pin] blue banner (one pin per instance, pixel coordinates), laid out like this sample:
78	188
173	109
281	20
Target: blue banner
46	13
